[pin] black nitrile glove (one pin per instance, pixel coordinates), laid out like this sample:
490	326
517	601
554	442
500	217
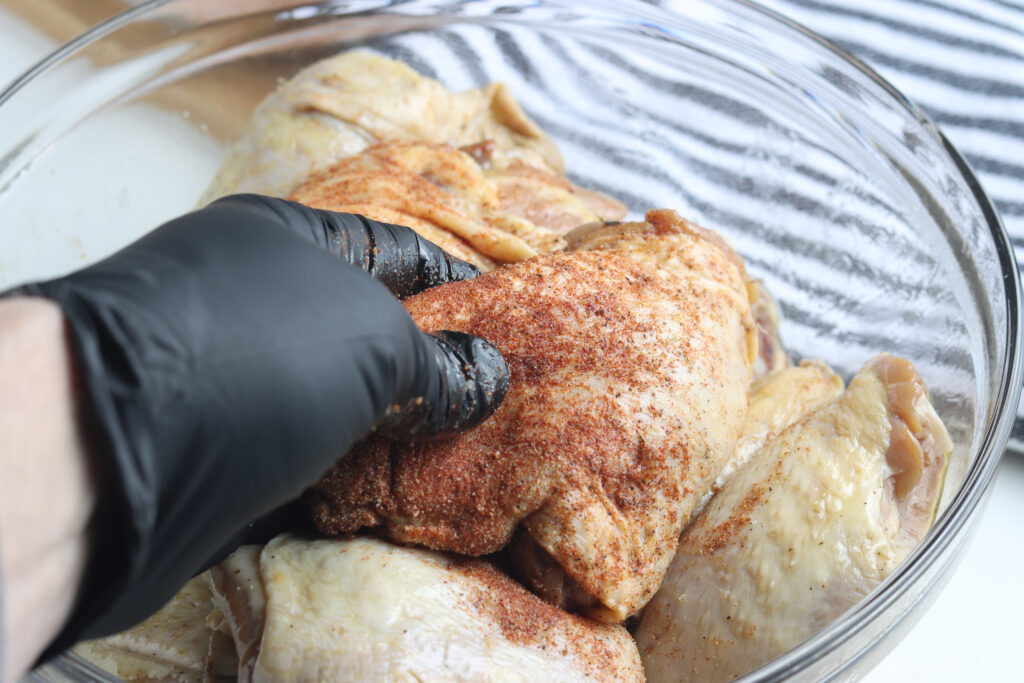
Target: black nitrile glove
229	362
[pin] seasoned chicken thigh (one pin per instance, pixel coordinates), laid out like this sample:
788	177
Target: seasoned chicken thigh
364	134
367	610
814	521
547	200
481	213
630	368
433	187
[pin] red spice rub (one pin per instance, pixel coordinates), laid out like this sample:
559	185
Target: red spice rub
601	649
630	369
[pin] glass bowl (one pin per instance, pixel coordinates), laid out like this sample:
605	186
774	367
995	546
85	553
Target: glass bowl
861	218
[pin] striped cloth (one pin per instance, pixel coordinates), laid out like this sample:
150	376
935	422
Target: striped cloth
962	63
652	135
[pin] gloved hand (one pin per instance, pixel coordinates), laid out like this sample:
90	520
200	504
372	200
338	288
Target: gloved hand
228	359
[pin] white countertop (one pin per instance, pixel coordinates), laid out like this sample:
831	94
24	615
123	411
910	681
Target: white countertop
972	630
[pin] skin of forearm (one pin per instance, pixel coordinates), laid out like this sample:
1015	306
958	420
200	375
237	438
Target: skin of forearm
48	484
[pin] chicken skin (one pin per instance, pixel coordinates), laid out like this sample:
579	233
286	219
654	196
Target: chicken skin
469	171
630	369
652	408
815	520
178	643
480	211
339	106
778	400
361	610
367	610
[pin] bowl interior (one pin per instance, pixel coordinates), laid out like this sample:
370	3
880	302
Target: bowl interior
839	195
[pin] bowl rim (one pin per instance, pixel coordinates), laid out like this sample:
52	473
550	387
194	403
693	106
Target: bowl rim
1005	396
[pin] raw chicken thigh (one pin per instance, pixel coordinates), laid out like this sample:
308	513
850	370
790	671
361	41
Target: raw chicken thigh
778	400
364	134
816	519
650	396
447	197
340	106
361	610
367	610
176	644
630	369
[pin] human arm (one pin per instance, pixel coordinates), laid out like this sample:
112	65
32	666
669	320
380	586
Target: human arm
227	364
48	489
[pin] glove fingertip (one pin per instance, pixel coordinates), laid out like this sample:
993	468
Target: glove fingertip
473	379
462	270
489	371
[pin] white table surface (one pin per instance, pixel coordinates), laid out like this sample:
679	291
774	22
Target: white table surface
974	628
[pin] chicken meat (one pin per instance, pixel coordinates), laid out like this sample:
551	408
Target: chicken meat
772	355
815	520
367	610
180	643
778	400
339	106
630	369
480	215
365	134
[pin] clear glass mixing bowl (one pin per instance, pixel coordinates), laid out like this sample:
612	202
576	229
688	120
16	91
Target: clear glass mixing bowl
864	222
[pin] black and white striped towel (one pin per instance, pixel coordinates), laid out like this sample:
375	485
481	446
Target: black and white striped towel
644	136
962	62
